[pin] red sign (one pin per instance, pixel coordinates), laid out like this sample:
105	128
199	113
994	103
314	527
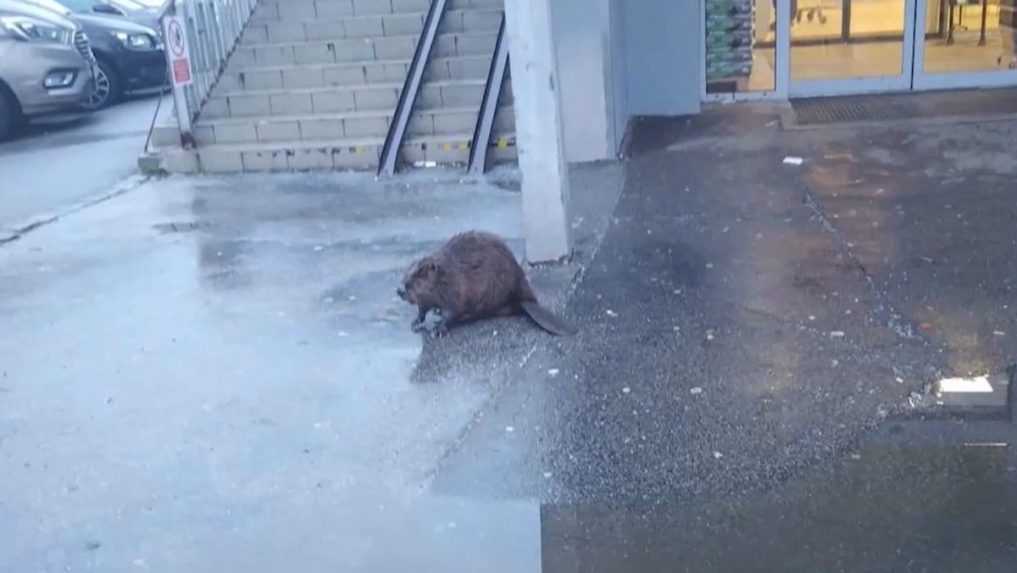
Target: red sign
181	72
180	58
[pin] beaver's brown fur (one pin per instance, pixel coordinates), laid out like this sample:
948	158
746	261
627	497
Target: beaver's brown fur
472	277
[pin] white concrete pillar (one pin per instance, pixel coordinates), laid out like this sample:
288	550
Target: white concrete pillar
538	129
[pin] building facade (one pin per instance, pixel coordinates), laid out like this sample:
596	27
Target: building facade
620	59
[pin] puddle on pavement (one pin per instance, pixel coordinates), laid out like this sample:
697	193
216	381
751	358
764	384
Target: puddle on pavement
919	496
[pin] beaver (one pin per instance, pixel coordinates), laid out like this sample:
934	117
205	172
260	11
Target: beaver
472	277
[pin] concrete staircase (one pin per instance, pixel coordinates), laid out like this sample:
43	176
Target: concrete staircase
314	85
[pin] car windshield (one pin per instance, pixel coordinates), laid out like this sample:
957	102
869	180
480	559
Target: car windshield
148	3
128	5
52	5
81	6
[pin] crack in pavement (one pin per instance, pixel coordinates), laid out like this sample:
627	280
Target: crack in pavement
892	318
35	223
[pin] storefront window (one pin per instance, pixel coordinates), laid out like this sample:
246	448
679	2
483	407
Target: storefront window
740	46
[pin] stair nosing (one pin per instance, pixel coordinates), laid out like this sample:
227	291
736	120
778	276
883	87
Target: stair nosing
371	16
363	39
362	114
246	67
340	142
342	88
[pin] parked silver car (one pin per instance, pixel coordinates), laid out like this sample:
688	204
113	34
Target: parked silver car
45	64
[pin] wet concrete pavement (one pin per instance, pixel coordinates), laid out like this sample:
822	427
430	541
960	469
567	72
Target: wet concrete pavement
58	164
743	319
899	503
208	373
205	372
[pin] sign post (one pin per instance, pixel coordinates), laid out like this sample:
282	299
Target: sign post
178	60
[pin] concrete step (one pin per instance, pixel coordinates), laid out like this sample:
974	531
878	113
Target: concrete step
239	77
318	29
282	10
319	127
372	97
359	50
342	154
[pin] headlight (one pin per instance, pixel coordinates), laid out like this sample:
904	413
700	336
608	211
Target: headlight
59	79
32	30
133	41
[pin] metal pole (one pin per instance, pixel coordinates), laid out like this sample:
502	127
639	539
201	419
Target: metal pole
845	20
183	111
489	107
985	12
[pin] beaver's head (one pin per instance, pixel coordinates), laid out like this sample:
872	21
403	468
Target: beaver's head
420	284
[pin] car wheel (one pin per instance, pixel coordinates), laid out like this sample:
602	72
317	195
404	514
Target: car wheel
107	88
10	115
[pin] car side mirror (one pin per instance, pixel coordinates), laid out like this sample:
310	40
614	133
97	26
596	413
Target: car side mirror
108	9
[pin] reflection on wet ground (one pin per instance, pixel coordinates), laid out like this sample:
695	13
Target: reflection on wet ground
916	496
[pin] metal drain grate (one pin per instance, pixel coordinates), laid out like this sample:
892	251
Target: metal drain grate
826	111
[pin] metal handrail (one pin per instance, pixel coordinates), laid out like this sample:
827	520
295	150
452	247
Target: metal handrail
479	148
213	29
411	87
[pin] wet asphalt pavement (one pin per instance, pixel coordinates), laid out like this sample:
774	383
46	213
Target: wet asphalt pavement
210	373
57	164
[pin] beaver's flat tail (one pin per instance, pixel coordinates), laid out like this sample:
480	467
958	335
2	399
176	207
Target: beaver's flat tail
547	320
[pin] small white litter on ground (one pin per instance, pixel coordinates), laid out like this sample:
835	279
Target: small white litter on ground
793	160
837	334
509	429
696	391
611	313
553	372
717	455
626	390
974	385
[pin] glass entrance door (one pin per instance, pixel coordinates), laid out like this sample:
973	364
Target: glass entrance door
967	43
775	49
850	46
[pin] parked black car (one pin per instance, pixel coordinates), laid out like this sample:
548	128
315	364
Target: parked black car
129	56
